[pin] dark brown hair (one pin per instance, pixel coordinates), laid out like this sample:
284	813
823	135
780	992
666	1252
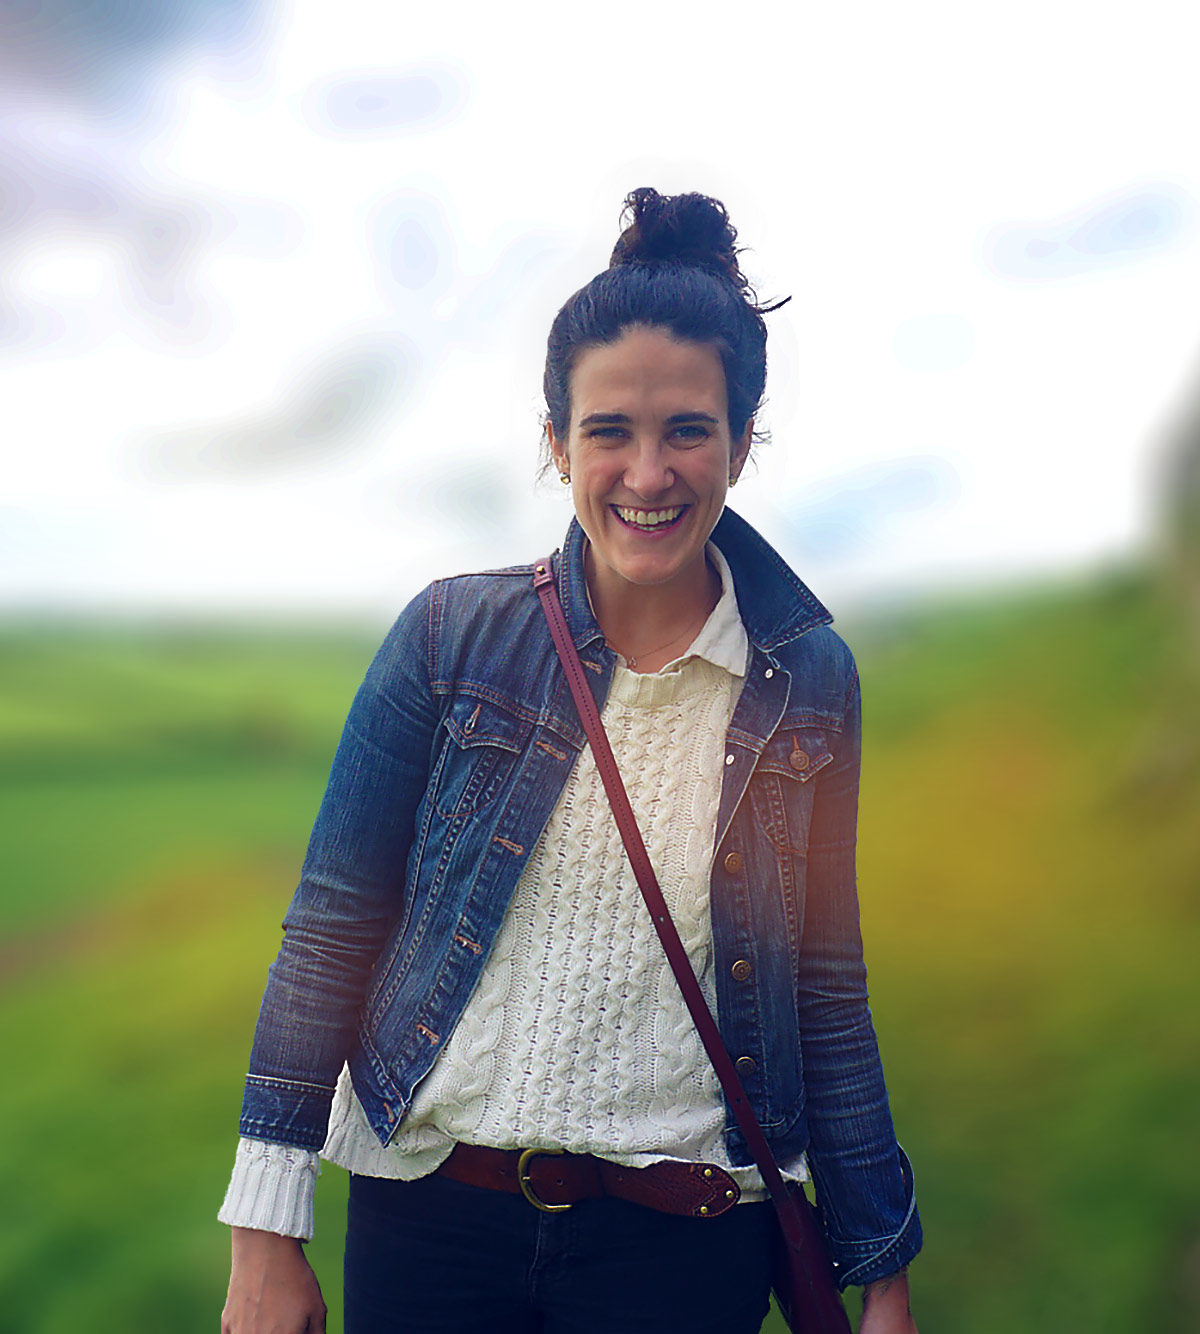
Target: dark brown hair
674	267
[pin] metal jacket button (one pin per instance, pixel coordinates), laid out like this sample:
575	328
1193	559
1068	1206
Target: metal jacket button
798	759
733	863
745	1065
742	970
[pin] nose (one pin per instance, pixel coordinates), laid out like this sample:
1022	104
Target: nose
648	472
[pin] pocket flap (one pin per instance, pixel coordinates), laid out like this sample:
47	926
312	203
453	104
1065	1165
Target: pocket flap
479	722
796	753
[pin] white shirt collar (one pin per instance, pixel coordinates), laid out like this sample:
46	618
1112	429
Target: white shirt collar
722	639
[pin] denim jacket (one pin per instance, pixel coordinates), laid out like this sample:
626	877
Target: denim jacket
454	754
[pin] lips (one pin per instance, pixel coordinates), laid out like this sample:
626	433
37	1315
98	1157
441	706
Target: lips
649	520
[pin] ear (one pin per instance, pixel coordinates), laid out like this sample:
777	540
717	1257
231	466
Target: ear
558	449
741	450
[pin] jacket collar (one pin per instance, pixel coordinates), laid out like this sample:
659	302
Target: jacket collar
775	606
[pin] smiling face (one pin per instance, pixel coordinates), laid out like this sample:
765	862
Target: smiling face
650	457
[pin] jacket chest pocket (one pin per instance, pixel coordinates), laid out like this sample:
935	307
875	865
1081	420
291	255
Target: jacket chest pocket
782	787
484	741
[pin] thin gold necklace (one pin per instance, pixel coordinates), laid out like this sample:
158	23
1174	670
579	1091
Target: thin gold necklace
650	652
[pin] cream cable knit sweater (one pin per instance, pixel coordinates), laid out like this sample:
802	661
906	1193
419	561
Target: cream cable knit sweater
576	1036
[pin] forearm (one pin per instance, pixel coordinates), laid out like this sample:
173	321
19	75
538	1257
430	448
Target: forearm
886	1307
271	1287
864	1182
863	1179
349	898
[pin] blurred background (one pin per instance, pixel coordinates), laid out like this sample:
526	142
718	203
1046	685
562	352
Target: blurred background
275	280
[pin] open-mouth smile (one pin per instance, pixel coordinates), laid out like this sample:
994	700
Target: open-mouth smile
650	521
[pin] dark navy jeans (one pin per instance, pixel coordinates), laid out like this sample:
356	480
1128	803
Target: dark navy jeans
436	1256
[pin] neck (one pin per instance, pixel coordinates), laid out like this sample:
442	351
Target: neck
652	625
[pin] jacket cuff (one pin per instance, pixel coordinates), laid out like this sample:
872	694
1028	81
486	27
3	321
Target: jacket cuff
272	1189
288	1111
861	1262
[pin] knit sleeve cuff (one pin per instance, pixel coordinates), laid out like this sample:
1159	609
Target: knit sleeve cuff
272	1188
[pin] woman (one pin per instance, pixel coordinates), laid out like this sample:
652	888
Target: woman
467	938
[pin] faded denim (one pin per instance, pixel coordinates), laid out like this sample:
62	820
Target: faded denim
453	757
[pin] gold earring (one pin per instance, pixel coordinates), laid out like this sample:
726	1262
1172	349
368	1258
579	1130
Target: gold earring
565	478
733	479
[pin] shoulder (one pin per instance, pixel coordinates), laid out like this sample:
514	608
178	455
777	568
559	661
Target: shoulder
467	626
506	583
820	653
823	674
822	649
465	601
481	603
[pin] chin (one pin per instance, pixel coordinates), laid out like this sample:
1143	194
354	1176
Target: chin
649	574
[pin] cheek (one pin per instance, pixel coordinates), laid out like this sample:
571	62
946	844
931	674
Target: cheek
596	473
592	492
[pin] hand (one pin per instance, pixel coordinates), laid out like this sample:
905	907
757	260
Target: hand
272	1288
885	1306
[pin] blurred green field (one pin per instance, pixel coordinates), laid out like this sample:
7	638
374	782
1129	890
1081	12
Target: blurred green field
1030	871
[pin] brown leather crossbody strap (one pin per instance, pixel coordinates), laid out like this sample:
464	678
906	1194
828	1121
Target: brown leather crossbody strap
606	765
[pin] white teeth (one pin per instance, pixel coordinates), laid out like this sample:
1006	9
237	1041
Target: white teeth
649	518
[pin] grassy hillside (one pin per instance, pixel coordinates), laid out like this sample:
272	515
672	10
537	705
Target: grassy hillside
1029	873
126	756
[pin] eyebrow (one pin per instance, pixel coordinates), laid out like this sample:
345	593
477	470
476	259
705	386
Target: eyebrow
679	418
604	419
622	419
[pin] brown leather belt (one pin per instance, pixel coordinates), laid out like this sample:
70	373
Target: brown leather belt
552	1180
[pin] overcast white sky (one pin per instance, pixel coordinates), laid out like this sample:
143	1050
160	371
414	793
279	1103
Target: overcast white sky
275	284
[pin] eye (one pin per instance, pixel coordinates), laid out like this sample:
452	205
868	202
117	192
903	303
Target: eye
606	432
691	433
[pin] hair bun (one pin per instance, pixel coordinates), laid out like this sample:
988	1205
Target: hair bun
691	229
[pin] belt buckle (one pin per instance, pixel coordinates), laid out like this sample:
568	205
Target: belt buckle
527	1156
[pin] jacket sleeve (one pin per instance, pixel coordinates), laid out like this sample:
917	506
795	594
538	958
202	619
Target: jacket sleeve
863	1178
350	892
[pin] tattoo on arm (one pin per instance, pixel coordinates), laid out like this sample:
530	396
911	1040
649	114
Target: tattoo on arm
881	1285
